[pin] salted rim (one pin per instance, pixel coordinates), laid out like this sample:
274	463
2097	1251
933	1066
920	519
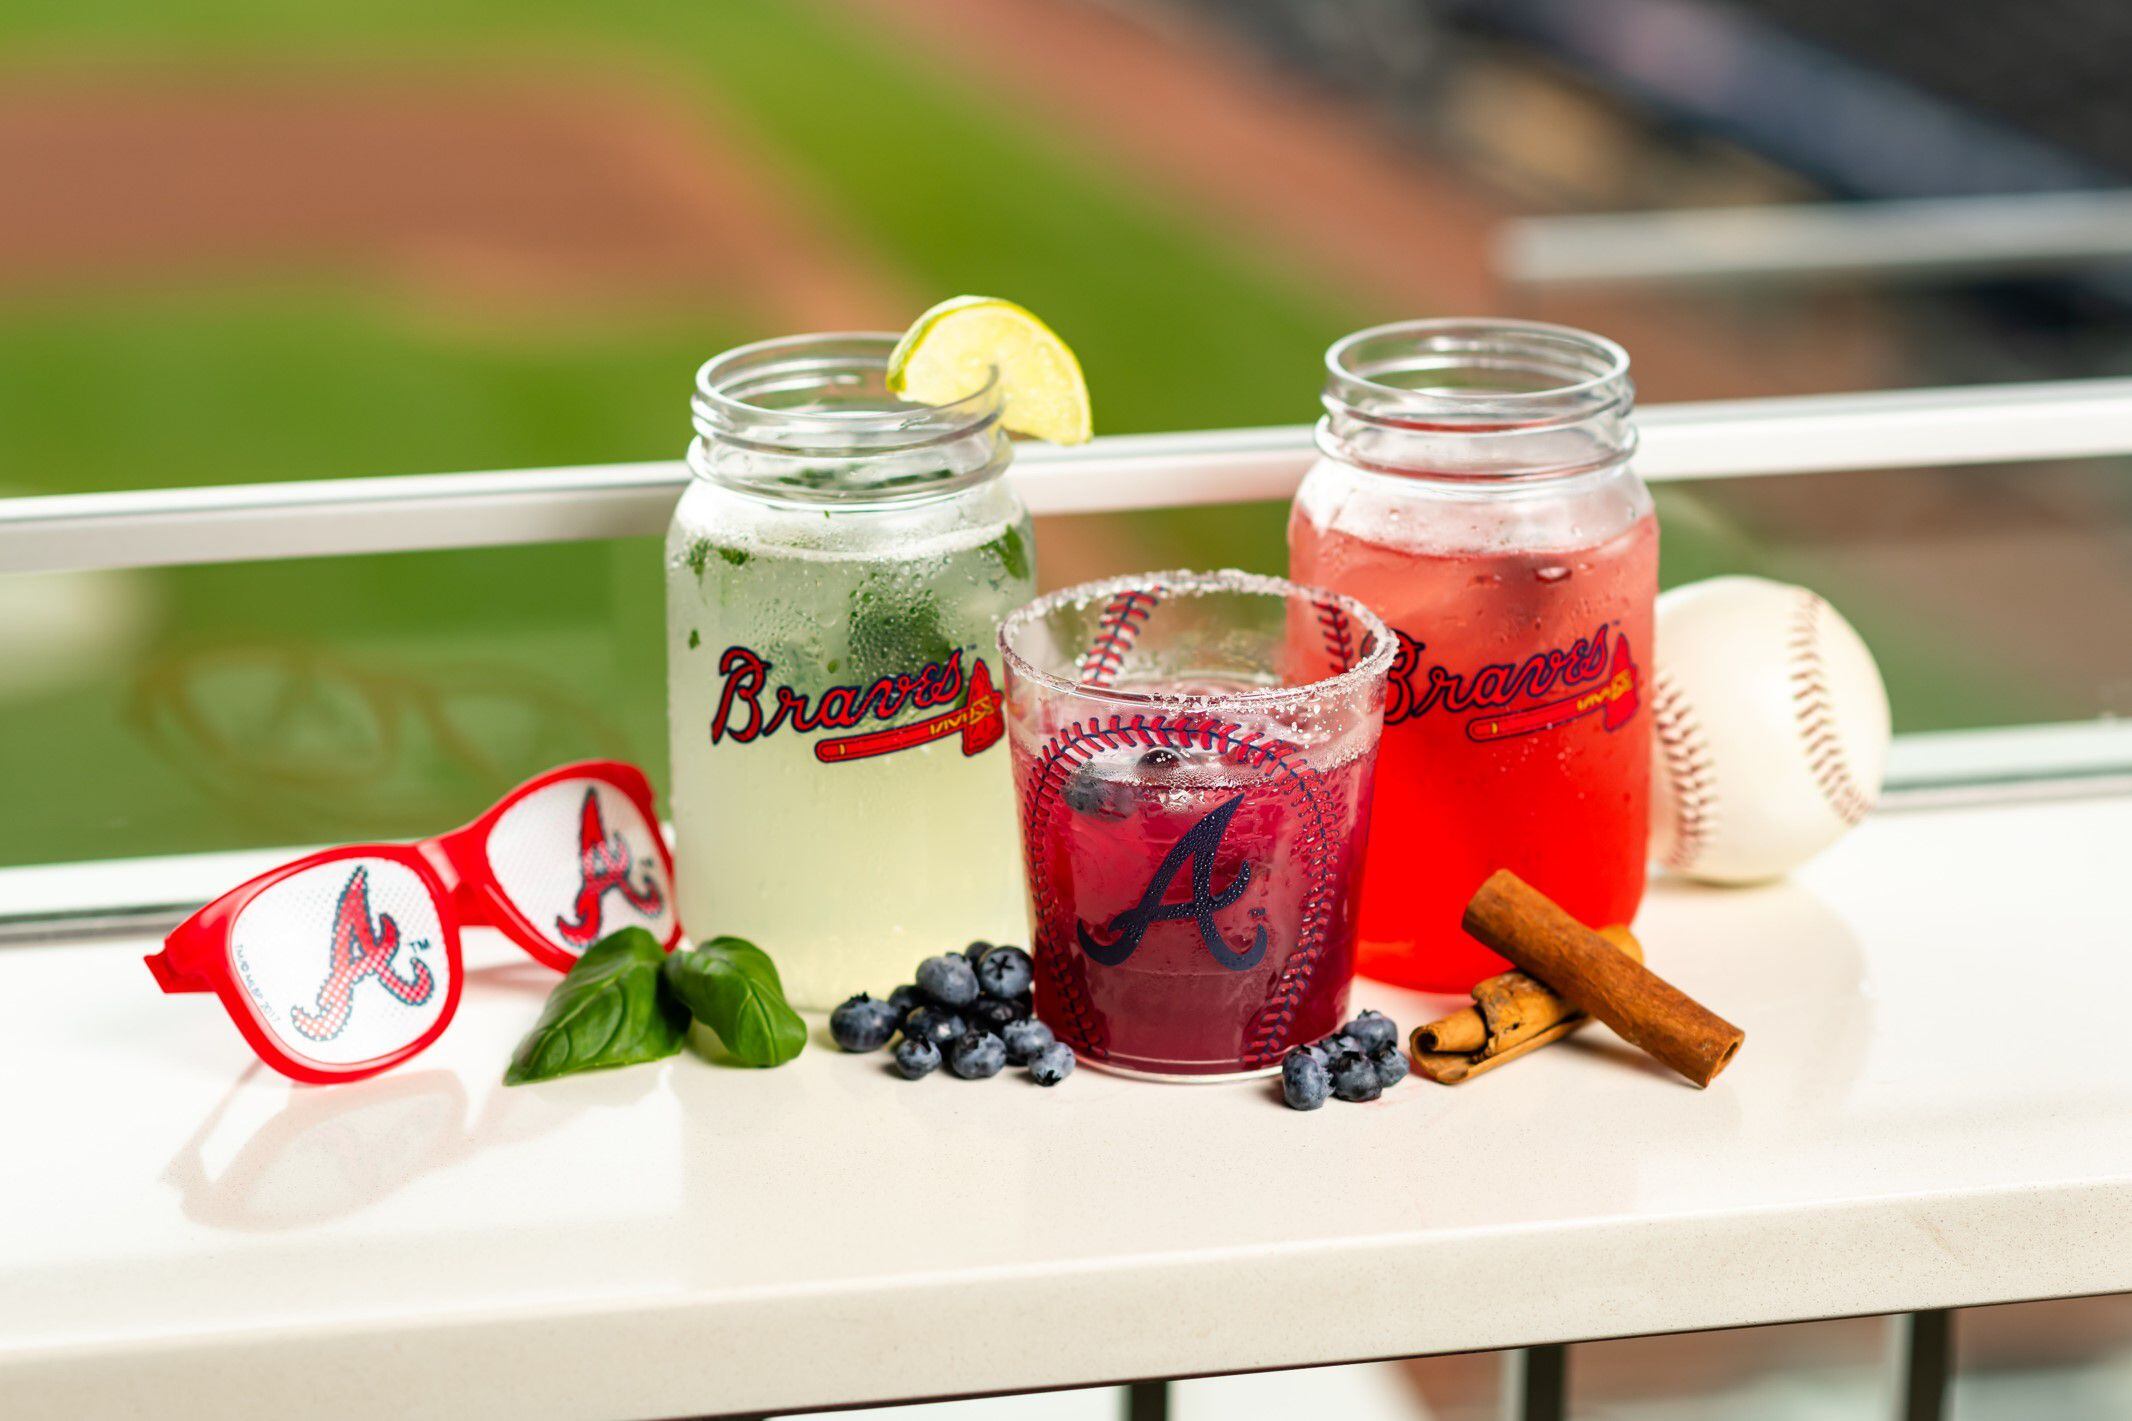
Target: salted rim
1184	582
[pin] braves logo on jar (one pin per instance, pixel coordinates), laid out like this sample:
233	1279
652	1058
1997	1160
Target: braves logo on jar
974	708
605	865
360	949
1197	847
1486	696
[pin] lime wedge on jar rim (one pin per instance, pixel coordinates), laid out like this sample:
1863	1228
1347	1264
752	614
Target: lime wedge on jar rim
951	350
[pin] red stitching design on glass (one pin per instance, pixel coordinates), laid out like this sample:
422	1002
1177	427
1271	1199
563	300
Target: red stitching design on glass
1116	631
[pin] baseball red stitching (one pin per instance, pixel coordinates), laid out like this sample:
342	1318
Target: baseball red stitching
1814	708
1268	1030
1116	631
1339	633
1690	770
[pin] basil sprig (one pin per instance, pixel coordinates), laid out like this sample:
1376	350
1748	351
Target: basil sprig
609	1010
627	1000
731	986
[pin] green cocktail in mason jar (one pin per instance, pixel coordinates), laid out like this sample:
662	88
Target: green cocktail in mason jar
836	573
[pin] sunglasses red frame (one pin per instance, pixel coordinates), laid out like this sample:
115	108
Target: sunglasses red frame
453	868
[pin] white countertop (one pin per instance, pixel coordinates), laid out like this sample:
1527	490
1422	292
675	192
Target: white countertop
1933	1107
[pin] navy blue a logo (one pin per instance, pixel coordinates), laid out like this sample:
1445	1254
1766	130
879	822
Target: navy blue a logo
1198	847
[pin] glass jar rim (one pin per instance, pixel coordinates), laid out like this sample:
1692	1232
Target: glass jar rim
1593	370
1374	664
796	361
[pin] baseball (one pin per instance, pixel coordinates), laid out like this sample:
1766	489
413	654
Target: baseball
1770	725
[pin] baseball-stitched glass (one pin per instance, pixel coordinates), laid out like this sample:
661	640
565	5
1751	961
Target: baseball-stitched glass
1193	754
346	961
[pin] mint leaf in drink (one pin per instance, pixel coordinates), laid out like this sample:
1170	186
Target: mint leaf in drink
1011	551
698	556
731	986
607	1011
893	631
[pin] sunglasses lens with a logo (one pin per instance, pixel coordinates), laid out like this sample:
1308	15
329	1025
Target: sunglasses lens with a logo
347	962
334	967
565	860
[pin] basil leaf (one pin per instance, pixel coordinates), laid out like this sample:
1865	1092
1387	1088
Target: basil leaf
607	1011
731	986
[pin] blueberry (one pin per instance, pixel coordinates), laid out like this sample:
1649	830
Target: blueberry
1026	1040
1158	760
863	1024
1340	1044
1315	1050
904	999
976	951
1304	1080
993	1015
1374	1030
916	1056
977	1055
934	1024
1089	793
1390	1066
1006	972
948	980
1052	1065
1354	1078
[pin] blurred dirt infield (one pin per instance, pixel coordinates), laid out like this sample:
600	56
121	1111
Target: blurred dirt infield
465	189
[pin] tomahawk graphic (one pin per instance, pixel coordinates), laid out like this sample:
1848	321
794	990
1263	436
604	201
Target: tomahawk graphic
605	862
978	719
360	950
1616	701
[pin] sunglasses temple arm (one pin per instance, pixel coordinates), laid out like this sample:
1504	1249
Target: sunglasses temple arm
172	967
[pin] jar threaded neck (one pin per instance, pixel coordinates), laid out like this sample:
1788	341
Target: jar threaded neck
811	419
1477	399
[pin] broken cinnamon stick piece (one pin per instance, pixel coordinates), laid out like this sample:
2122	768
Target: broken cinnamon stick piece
1509	1008
1451	1067
1516	920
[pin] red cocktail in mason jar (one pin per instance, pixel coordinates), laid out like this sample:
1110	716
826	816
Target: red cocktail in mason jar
1193	774
1476	491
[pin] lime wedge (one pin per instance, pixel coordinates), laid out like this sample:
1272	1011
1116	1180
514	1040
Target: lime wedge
951	350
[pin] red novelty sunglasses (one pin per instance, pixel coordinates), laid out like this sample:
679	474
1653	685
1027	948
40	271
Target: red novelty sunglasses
346	961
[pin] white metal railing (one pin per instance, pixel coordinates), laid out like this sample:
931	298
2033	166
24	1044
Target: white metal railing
1905	429
1908	239
1720	439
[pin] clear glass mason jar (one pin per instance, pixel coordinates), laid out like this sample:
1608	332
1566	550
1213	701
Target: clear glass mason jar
1474	488
836	574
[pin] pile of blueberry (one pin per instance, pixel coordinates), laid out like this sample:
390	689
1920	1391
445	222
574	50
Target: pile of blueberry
970	1008
1360	1061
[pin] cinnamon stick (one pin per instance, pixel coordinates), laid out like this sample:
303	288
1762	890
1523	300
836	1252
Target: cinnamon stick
1451	1067
1508	1009
1522	924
